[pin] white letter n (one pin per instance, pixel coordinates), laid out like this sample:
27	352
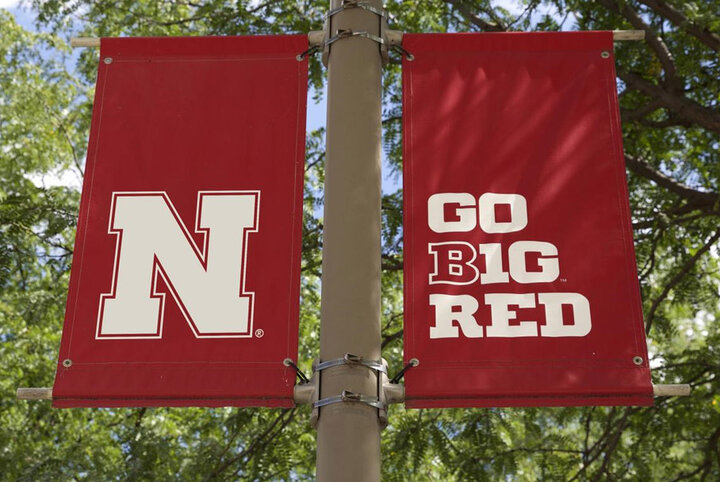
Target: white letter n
208	285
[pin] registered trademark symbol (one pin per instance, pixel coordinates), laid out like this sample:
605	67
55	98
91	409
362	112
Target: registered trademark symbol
259	333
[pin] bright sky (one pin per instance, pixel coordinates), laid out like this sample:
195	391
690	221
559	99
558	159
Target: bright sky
512	6
9	3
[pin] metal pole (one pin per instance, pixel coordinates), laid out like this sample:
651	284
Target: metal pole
348	440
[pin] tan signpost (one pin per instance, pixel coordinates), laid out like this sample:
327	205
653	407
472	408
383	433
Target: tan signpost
349	433
350	373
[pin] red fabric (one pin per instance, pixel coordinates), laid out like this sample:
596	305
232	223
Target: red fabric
534	114
183	115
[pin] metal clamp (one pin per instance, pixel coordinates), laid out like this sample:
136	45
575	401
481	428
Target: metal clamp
350	359
342	34
348	4
348	396
388	393
380	39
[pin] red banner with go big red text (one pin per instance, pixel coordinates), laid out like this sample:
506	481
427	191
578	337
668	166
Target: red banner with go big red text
520	279
184	288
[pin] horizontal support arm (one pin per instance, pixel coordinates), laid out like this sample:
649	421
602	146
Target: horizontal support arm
394	38
676	390
622	35
79	42
34	394
395	393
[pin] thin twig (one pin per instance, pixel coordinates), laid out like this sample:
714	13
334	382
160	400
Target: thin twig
677	278
662	8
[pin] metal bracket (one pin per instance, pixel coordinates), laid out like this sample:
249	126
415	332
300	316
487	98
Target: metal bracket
380	369
350	359
387	393
340	33
347	396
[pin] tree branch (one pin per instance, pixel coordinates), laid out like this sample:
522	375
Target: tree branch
669	122
650	265
390	338
391	263
586	440
644	169
677	278
484	25
610	447
676	17
640	112
541	449
261	440
712	448
66	135
684	108
688	475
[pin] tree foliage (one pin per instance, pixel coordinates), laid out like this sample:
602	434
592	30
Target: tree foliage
669	96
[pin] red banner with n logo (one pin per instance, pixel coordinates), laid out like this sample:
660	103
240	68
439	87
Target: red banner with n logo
520	280
185	281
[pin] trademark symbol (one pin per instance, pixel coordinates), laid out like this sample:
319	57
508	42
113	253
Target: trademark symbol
259	333
563	280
